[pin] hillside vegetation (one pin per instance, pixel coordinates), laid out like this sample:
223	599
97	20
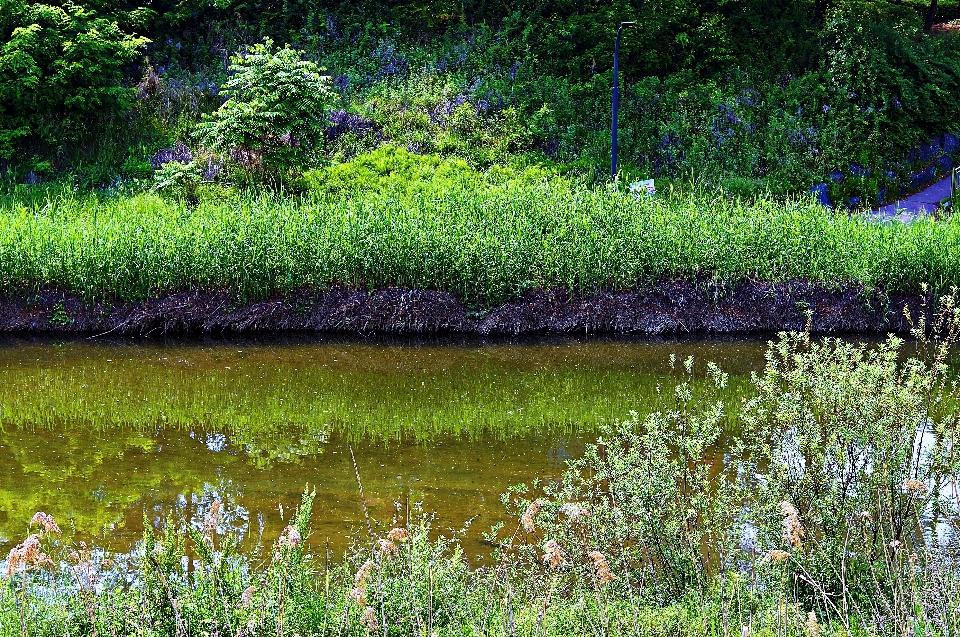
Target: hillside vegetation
746	95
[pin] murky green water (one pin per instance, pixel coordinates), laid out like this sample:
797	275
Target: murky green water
101	434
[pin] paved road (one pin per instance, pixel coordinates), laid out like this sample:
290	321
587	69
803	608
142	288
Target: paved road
922	203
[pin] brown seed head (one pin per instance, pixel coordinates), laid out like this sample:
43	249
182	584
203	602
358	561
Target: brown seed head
46	522
27	554
387	548
290	537
574	511
601	567
398	535
553	554
246	598
359	595
360	579
915	487
528	517
777	555
793	531
370	619
212	519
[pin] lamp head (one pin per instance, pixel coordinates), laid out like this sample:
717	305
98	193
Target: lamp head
627	24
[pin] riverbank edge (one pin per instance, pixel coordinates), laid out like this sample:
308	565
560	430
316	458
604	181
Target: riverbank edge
662	308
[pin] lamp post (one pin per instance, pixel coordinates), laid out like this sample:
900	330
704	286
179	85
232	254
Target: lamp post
616	98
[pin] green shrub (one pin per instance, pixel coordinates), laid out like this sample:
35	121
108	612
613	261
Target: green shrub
647	497
273	120
61	72
858	452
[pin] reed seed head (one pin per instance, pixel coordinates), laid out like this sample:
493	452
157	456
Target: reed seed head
359	595
387	548
360	579
793	531
370	619
212	519
601	567
553	554
290	537
246	598
398	535
915	487
777	555
574	511
46	522
530	515
26	554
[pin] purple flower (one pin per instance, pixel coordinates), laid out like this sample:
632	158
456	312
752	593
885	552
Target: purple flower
342	122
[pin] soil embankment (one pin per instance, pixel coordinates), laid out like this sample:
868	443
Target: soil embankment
669	307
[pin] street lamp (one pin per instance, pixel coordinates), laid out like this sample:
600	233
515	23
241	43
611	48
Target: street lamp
616	98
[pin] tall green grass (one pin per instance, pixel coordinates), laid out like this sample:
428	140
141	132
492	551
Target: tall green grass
484	243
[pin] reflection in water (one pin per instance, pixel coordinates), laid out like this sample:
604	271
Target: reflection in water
102	434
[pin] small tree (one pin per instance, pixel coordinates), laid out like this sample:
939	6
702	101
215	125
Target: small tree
273	120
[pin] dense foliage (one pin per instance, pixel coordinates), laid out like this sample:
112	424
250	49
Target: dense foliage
747	95
62	68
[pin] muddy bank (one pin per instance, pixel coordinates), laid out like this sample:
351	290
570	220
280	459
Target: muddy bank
669	307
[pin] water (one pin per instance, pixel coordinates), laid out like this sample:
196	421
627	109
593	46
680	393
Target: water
101	434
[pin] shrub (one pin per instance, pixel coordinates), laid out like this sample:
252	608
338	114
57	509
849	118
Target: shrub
857	446
647	497
61	70
273	120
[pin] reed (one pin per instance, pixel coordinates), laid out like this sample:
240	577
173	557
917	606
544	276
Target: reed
485	243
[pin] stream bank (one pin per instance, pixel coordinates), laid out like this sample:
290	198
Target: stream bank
667	307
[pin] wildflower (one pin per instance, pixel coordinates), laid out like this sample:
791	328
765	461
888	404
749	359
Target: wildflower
896	544
792	529
601	567
398	535
529	515
387	548
553	554
212	519
290	537
574	511
776	555
246	597
370	618
915	487
46	521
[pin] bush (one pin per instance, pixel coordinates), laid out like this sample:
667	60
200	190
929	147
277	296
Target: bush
273	120
858	457
646	498
61	72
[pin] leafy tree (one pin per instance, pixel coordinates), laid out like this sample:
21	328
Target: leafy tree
277	109
61	67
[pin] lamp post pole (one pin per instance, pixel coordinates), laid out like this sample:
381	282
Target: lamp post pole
616	99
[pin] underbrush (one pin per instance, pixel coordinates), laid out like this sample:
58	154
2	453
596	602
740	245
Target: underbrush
483	238
832	510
